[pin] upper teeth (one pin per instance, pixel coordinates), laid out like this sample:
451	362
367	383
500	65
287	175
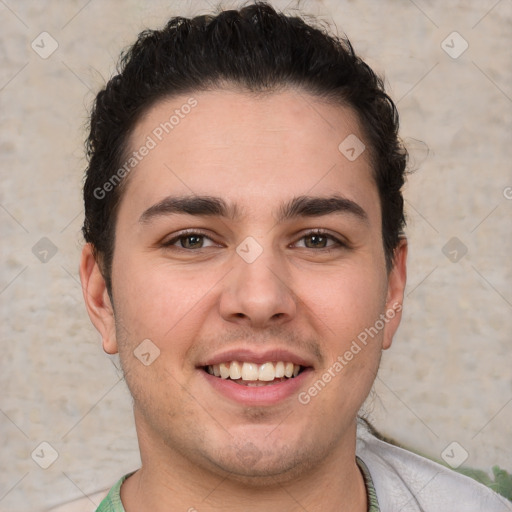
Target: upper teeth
253	371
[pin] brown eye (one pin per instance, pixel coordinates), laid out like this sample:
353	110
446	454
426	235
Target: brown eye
315	241
192	241
189	240
319	240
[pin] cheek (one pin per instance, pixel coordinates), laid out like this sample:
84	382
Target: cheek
157	301
346	301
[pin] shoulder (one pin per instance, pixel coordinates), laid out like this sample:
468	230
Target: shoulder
406	481
108	500
87	504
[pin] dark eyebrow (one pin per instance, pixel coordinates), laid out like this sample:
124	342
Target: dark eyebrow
301	206
307	206
191	205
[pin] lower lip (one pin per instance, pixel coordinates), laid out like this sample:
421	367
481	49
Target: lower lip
269	394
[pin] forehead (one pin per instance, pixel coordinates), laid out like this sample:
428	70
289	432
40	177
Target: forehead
244	146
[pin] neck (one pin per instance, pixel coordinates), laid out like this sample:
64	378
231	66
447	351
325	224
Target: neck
169	481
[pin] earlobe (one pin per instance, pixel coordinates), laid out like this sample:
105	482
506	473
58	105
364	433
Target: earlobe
396	285
97	300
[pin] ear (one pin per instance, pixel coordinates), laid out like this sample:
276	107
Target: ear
97	300
395	296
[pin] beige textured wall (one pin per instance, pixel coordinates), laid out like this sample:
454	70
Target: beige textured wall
448	375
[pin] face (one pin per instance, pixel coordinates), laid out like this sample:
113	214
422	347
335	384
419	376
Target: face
247	244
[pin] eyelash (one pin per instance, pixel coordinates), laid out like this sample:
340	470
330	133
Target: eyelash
187	233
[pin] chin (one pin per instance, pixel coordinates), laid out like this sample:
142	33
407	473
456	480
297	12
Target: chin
250	467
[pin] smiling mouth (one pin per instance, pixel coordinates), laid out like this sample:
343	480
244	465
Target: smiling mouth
254	374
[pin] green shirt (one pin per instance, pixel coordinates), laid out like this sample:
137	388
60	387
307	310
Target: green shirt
371	495
112	502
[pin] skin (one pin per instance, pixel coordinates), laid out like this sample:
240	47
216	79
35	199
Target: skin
198	448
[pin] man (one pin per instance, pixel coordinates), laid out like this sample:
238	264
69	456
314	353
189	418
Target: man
245	257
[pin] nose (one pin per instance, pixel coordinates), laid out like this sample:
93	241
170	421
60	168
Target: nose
257	294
